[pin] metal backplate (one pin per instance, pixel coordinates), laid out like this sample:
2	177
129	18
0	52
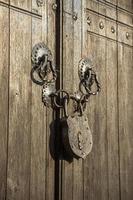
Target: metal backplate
85	65
40	52
47	91
77	137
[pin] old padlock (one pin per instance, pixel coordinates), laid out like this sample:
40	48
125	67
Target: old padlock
76	135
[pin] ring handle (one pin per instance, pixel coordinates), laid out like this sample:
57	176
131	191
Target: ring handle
33	70
87	76
43	65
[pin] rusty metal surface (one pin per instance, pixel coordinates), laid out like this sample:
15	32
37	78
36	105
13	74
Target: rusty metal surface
77	137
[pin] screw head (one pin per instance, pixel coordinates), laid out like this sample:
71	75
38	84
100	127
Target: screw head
101	25
75	16
127	35
112	29
54	6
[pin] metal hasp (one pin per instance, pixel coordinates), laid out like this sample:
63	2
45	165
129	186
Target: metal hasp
76	134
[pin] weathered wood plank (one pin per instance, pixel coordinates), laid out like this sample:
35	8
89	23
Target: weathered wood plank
84	29
68	53
19	110
112	120
5	1
4	70
128	4
77	38
24	4
112	1
125	85
50	163
92	4
95	165
37	9
38	130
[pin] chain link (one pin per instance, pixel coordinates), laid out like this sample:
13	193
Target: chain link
44	65
58	97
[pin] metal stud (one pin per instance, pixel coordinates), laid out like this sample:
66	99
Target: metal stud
127	35
75	16
101	25
35	10
39	3
112	29
88	21
54	6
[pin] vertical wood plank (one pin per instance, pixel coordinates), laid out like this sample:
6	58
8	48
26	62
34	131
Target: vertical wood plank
50	163
84	29
38	129
112	120
43	163
19	110
4	70
95	165
125	84
68	54
77	38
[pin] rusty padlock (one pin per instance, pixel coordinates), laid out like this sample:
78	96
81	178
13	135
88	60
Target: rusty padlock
76	134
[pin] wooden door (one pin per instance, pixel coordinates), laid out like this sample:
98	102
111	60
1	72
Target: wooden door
103	31
26	167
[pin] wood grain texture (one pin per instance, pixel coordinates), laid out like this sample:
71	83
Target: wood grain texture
37	9
92	4
4	70
77	38
50	163
112	120
128	4
20	107
112	1
24	4
5	1
68	54
43	166
125	84
95	165
38	130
